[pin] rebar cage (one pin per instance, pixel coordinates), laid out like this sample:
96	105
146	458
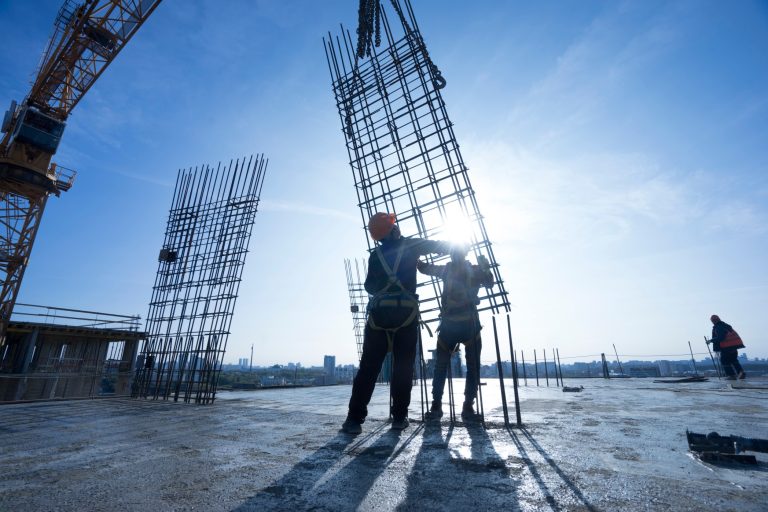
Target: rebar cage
358	298
402	148
404	155
198	279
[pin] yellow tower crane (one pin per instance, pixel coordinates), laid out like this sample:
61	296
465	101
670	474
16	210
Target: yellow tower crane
87	36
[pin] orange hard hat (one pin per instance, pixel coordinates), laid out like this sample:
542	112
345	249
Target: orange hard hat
380	225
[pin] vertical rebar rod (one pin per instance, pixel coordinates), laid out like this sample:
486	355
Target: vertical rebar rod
693	360
476	348
514	374
501	373
717	369
559	366
451	403
546	369
423	376
525	375
621	369
536	367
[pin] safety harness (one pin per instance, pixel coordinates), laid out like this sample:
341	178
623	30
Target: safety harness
393	307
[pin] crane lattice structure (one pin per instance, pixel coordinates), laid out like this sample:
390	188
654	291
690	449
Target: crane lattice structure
402	148
198	279
86	39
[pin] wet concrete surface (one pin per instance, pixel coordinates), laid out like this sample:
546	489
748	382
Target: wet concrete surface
618	445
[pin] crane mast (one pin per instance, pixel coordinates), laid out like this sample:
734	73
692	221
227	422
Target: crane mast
87	36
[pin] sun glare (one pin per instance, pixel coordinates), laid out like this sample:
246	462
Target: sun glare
457	230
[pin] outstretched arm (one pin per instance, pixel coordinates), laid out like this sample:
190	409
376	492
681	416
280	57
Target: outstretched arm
430	269
424	247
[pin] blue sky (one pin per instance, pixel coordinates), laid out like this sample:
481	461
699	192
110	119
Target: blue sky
617	150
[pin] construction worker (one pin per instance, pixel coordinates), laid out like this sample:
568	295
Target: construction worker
393	320
459	323
726	341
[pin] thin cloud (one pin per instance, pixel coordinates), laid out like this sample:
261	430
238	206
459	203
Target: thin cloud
306	209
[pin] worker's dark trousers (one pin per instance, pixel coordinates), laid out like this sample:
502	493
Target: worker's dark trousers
374	352
446	347
729	359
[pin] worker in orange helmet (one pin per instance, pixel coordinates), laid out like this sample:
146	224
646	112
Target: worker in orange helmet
726	341
392	320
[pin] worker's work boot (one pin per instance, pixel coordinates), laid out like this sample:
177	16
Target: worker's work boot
436	412
400	423
468	412
742	375
351	426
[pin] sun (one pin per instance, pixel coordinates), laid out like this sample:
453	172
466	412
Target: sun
457	230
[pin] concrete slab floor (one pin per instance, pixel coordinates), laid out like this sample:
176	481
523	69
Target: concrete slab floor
618	445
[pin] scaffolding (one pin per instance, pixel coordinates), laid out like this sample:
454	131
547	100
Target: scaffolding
198	278
402	148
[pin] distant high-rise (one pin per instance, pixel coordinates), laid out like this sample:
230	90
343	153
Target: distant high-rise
329	363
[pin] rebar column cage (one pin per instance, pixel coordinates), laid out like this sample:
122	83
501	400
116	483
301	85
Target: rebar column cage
402	148
198	278
358	299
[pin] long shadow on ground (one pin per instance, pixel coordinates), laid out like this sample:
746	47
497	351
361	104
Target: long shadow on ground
460	479
541	481
336	477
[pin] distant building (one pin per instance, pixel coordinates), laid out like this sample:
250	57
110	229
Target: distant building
243	362
329	363
345	374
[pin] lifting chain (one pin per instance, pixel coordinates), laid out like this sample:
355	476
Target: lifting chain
368	27
369	31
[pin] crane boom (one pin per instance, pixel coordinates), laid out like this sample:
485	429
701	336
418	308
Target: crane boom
87	37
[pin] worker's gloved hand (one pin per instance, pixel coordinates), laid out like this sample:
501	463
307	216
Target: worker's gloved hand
483	262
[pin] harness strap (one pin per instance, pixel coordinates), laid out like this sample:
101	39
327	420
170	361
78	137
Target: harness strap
392	272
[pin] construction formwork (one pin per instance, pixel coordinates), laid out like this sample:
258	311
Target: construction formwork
403	151
54	353
198	279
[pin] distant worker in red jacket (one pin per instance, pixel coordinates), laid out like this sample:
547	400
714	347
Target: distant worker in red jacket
726	341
